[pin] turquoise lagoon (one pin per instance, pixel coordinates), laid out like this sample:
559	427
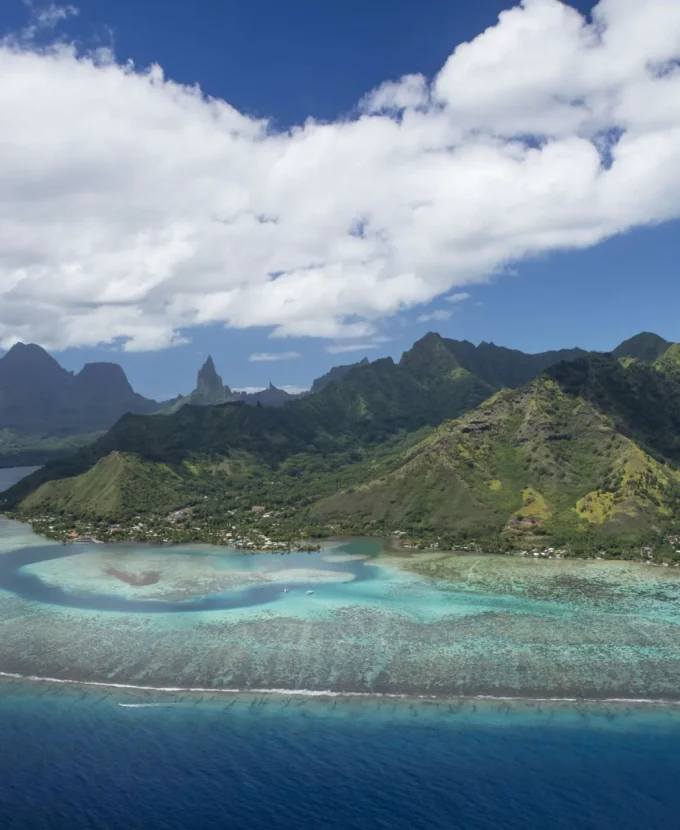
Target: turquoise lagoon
355	618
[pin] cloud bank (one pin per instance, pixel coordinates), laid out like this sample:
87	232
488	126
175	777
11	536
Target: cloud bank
133	208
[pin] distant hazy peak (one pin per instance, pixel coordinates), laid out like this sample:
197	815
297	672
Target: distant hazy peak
104	372
31	354
29	365
18	348
40	397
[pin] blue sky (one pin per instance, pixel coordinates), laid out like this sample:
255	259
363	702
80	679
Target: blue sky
305	59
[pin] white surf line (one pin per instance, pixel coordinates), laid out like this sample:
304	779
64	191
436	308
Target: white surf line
330	694
147	705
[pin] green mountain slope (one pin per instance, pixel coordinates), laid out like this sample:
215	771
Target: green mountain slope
336	373
645	346
370	403
642	400
363	409
588	447
669	361
493	365
118	486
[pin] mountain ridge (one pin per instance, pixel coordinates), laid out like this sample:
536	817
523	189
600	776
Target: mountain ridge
588	450
47	412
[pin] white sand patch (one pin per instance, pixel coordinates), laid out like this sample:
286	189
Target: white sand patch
307	575
150	575
344	557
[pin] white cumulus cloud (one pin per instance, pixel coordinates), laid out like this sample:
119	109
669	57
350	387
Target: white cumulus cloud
133	208
291	389
438	314
257	357
342	348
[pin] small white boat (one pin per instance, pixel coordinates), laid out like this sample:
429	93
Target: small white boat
310	592
285	590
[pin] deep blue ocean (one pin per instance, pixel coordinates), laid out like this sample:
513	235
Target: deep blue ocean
80	760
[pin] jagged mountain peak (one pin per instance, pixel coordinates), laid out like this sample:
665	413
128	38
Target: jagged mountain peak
208	382
208	368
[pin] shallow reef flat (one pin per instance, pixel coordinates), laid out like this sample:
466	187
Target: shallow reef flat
625	587
349	619
165	575
15	535
344	557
